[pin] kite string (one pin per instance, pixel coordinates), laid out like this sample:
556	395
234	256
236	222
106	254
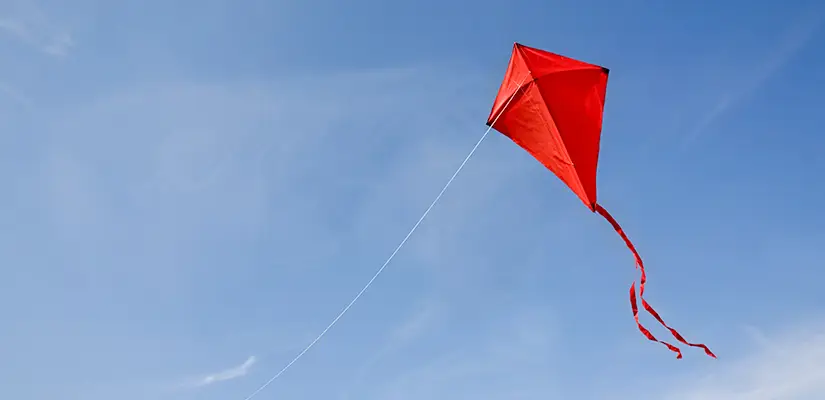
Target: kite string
397	248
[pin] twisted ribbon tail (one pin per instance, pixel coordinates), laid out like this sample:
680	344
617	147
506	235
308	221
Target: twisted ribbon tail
640	265
643	329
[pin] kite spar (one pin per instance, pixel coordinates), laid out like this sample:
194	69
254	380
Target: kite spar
556	116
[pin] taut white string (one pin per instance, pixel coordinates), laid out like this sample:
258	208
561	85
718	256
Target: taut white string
400	245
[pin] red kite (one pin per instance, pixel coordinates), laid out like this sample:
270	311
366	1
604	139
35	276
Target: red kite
552	107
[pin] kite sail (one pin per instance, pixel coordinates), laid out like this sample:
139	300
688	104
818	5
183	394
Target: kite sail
552	107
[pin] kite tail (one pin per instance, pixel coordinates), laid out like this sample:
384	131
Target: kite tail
643	329
640	265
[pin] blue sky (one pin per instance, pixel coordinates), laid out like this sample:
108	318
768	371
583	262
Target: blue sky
193	190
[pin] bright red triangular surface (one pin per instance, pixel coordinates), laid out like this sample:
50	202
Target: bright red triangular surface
555	114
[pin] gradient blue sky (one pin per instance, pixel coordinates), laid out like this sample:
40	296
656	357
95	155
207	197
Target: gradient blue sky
193	189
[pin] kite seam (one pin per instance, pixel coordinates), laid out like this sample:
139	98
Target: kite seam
392	255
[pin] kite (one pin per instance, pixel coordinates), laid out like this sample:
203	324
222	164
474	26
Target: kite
551	106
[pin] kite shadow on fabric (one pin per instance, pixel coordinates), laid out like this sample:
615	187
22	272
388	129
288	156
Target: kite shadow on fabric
552	107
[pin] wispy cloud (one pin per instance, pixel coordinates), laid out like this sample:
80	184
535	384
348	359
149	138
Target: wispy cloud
791	42
15	96
788	366
227	374
27	22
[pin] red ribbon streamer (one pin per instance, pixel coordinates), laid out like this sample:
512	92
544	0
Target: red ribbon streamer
640	265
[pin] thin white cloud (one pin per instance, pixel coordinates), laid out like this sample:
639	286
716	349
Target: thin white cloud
15	96
55	44
791	42
227	374
789	366
26	21
59	45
